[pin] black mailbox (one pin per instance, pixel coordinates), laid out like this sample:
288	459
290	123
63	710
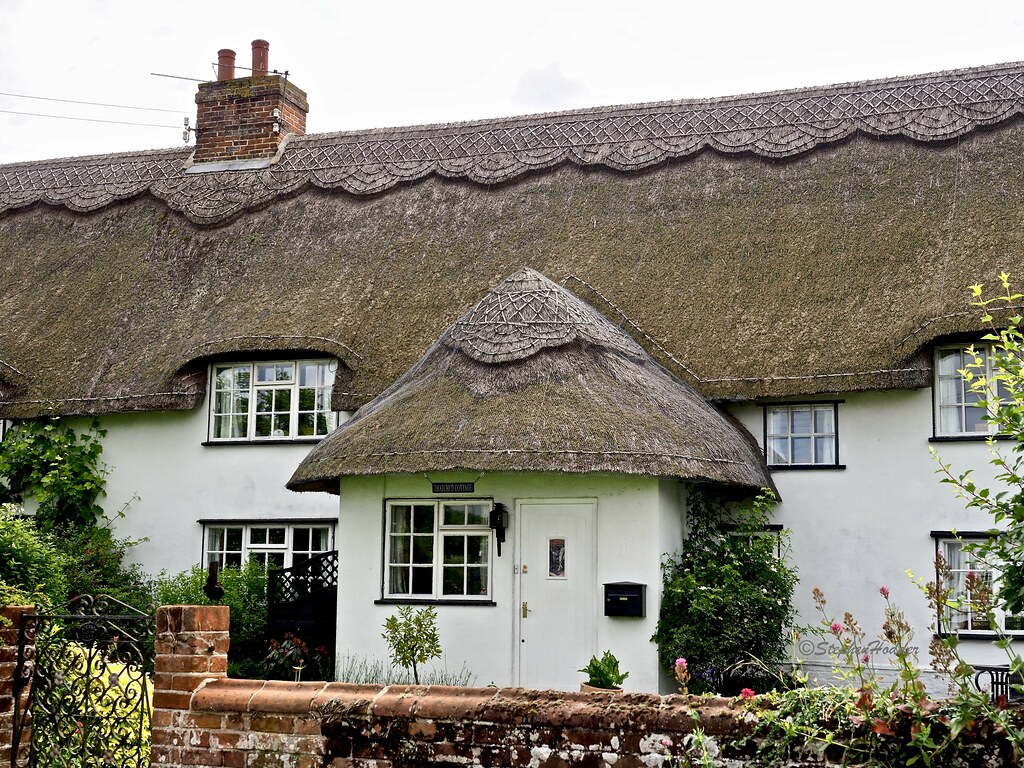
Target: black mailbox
625	598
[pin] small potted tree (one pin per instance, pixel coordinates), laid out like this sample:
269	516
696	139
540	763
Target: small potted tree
603	674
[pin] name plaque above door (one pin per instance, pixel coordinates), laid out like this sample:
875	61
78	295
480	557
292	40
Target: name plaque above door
453	487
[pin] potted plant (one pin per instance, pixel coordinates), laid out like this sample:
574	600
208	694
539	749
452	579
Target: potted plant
604	674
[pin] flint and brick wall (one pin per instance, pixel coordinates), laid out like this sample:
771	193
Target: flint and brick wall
9	623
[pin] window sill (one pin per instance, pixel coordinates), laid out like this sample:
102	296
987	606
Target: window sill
787	467
979	634
430	601
966	438
296	441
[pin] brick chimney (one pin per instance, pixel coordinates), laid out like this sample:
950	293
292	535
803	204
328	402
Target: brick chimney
246	118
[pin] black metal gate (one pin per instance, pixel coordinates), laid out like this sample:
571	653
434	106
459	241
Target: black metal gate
90	675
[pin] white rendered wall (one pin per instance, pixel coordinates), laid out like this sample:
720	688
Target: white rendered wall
637	520
862	527
160	457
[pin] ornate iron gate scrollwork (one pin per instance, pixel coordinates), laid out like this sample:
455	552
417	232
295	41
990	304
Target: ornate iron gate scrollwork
90	697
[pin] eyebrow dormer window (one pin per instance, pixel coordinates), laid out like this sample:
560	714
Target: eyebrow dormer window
278	400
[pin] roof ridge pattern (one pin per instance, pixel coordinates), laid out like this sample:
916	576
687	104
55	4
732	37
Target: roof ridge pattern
777	125
527	313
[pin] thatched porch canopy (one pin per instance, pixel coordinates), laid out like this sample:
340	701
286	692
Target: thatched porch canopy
533	379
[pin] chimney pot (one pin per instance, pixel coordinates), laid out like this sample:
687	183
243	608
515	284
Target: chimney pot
225	64
260	57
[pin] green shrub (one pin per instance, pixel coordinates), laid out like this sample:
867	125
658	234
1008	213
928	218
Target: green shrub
728	597
94	564
31	567
412	638
245	593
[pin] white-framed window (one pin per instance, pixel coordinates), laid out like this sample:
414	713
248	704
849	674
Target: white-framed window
957	409
974	585
271	544
801	434
278	400
438	550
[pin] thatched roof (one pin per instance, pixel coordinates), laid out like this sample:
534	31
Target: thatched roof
532	379
742	273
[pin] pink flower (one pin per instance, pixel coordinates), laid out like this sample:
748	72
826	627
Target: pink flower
747	694
884	592
836	627
680	664
666	742
865	658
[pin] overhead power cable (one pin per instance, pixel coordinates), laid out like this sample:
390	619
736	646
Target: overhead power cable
88	119
89	103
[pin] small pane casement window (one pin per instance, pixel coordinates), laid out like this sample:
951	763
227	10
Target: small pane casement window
272	545
438	550
957	409
973	585
283	400
802	435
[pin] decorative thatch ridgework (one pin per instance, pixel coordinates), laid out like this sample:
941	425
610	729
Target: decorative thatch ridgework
934	107
532	379
744	275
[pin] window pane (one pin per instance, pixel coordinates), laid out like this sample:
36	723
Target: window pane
454	550
265	373
452	579
264	400
476	581
300	540
275	559
306	425
233	560
398	581
422	581
801	450
824	450
778	421
307	374
307	399
282	425
320	537
285	371
950	362
282	399
801	421
423	519
476	549
778	450
454	514
950	420
277	535
215	539
257	535
263	426
400	518
400	549
951	391
234	539
478	514
423	549
823	421
975	419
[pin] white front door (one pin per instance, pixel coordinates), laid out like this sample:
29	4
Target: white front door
558	607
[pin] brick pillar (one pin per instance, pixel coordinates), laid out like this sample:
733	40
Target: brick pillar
10	621
191	648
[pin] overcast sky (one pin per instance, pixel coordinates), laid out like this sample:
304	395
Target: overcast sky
378	63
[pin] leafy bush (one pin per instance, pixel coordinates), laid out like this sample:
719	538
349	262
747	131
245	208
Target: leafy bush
728	597
94	564
412	638
31	567
245	593
60	468
291	659
604	672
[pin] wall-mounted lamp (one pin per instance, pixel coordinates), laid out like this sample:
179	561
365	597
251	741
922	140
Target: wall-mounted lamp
499	522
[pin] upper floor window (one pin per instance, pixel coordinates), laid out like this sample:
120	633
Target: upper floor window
802	435
958	411
974	585
281	400
438	550
271	544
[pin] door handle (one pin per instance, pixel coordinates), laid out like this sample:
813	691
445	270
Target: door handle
526	609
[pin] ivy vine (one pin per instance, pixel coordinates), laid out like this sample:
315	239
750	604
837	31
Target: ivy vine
60	468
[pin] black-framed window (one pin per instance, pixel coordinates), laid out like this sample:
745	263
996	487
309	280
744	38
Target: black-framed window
802	435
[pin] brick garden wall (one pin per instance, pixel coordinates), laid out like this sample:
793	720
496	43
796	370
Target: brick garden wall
203	719
10	620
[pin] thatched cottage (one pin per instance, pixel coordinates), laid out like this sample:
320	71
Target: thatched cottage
549	329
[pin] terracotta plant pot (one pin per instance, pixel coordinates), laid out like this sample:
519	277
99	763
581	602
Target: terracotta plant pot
584	688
